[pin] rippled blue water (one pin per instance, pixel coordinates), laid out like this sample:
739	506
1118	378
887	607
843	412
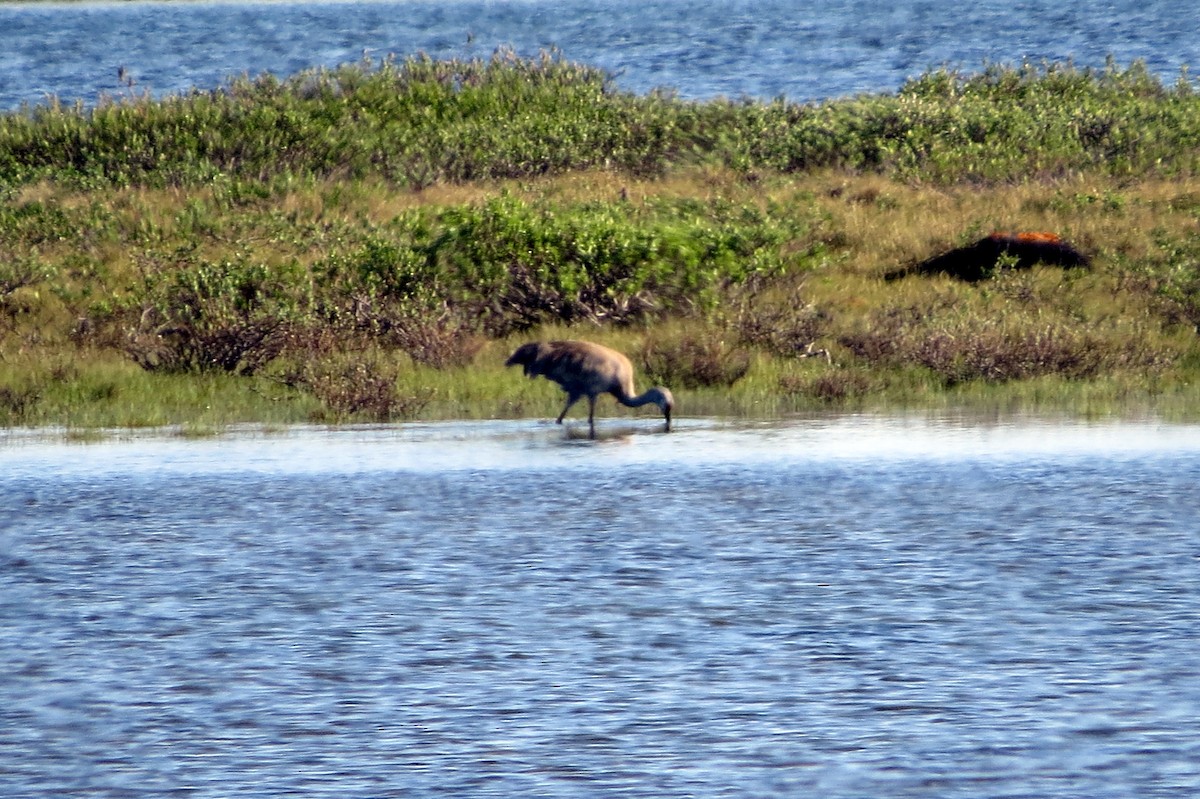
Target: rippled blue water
839	608
756	48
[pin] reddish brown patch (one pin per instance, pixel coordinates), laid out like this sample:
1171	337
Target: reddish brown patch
1026	237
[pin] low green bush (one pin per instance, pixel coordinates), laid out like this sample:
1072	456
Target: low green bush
418	122
510	265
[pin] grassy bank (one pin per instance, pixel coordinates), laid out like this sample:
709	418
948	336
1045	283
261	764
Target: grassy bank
370	243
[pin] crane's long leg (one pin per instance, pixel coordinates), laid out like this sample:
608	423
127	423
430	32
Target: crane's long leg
571	400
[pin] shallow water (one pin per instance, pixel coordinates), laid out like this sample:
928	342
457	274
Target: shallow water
846	606
754	48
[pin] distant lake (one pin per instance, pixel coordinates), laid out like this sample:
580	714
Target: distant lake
760	49
836	607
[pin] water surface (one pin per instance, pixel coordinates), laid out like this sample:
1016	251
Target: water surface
847	606
753	48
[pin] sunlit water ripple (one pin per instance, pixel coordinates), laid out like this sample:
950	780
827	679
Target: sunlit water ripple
851	606
746	48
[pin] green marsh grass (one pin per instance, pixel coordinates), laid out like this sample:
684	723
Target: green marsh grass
369	243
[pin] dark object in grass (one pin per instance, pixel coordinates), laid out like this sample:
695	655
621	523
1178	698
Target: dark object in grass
980	260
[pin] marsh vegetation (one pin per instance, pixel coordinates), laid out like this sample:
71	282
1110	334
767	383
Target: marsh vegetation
369	243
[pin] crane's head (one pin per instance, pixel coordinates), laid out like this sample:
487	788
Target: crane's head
662	398
526	355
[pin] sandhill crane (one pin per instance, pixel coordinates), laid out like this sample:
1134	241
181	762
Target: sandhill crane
584	369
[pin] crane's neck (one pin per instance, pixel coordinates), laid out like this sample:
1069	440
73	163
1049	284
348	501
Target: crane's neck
654	395
657	395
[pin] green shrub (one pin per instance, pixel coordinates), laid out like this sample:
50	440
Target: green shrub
1173	273
693	361
418	121
361	387
232	316
510	265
